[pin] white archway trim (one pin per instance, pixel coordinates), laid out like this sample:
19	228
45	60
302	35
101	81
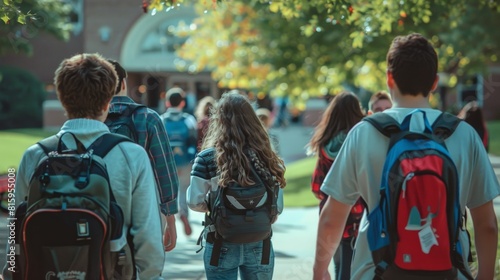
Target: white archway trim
134	59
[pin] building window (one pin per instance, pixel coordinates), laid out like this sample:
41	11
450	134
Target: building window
76	15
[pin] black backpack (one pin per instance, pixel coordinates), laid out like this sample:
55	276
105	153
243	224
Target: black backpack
123	123
242	215
70	215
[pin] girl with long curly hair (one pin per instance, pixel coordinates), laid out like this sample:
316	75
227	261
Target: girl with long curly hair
236	150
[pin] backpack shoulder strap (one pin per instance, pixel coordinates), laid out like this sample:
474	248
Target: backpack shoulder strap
49	144
106	142
134	107
384	123
55	143
445	125
129	109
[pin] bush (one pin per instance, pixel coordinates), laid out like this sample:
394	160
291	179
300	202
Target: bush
21	99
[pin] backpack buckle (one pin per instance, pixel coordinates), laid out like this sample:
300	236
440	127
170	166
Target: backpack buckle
380	269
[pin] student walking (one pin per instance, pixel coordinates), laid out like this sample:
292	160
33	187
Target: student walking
379	102
264	116
85	84
472	114
357	172
182	132
202	114
144	126
237	180
342	114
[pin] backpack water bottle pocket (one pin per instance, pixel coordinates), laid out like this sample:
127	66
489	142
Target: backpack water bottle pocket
378	236
116	216
70	241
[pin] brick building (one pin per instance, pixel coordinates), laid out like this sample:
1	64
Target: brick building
143	43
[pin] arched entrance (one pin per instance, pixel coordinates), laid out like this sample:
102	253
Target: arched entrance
148	54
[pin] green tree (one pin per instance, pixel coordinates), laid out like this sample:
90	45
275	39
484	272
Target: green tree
21	99
22	20
316	47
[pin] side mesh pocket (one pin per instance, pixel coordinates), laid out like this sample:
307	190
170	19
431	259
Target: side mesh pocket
116	220
378	237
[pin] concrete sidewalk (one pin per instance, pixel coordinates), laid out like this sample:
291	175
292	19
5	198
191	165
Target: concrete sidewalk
294	236
294	241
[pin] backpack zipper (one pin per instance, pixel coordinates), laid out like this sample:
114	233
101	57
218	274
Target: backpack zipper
408	177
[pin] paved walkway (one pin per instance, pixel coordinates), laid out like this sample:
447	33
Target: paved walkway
294	232
294	236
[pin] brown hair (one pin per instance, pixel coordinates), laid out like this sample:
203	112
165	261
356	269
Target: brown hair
343	113
85	83
381	95
413	63
264	116
120	71
234	129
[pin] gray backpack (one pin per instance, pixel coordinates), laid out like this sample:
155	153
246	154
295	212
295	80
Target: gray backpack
70	215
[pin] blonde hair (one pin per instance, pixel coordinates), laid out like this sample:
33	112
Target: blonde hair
204	107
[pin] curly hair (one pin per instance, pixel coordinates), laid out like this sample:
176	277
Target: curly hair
342	114
236	133
85	83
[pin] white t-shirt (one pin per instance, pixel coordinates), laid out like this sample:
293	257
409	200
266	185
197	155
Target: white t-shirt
357	171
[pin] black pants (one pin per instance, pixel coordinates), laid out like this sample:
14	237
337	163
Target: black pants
343	258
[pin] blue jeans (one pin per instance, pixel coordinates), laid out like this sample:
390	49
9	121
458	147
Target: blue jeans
243	257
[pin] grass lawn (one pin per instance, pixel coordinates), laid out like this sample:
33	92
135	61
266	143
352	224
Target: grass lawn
15	142
298	183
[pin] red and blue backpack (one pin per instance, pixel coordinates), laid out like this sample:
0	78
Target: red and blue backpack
414	230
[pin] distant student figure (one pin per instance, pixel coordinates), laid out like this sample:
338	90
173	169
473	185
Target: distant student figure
472	114
182	133
145	127
265	117
202	113
379	102
342	114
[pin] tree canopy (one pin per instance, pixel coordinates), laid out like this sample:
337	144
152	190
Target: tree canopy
317	47
22	20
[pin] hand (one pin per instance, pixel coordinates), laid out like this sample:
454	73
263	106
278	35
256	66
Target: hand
170	234
325	276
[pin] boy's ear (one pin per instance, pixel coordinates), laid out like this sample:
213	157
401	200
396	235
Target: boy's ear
390	79
435	84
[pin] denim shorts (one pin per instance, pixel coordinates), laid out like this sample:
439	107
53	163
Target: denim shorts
243	257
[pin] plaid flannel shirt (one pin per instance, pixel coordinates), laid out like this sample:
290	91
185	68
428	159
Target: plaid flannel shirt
152	136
